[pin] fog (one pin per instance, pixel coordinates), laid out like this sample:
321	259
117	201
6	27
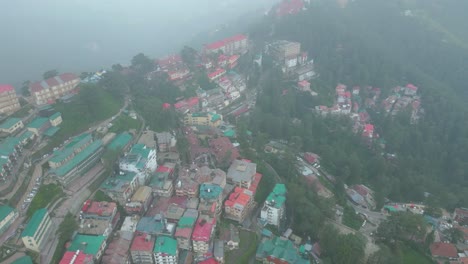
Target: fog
85	35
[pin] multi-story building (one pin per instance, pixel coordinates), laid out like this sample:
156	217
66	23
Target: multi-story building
39	125
285	52
98	218
140	201
273	209
11	125
77	257
218	250
184	229
165	250
229	46
279	250
48	91
202	234
120	142
203	119
8	99
7	216
161	182
120	187
89	245
55	119
37	230
165	141
211	199
141	160
117	252
238	204
155	226
76	158
241	173
142	248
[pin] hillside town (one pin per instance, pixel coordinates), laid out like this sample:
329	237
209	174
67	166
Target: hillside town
156	202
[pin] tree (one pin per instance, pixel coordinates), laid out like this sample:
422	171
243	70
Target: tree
25	88
402	226
115	83
49	74
142	63
189	55
455	235
110	158
117	67
383	256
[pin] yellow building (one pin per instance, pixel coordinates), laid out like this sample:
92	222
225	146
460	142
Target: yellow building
8	99
48	91
203	119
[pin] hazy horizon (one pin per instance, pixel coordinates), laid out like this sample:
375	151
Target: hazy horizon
84	35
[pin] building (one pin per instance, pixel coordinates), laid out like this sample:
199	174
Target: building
211	199
75	159
155	226
120	187
11	125
241	173
120	142
161	182
202	234
23	260
184	229
274	207
190	104
165	141
279	250
117	252
140	201
223	150
216	74
461	215
37	230
142	248
77	257
165	250
443	251
285	52
7	216
55	119
39	125
89	245
238	204
8	100
98	218
218	250
141	160
48	91
203	119
234	45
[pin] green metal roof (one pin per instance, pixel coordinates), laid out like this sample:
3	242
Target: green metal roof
34	223
23	260
5	211
69	149
166	245
210	191
116	183
93	244
26	134
230	133
55	116
9	123
278	196
7	146
38	122
199	114
120	141
51	131
80	157
280	248
141	150
215	117
185	222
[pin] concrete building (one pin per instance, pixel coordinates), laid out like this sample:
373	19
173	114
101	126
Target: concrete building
140	201
211	199
142	248
218	250
165	250
39	125
285	51
279	250
184	229
118	250
120	187
202	234
238	204
37	230
161	182
121	142
98	218
55	119
155	226
8	100
237	44
165	141
274	207
89	245
241	173
11	125
141	160
75	159
7	216
48	91
203	119
77	257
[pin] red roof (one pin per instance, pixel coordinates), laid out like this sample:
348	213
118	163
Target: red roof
191	102
163	169
99	208
239	196
216	73
166	105
222	43
255	181
169	60
440	249
6	88
310	157
209	261
369	128
54	81
411	87
141	243
203	229
81	258
183	232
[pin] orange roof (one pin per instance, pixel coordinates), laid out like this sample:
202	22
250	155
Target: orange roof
240	196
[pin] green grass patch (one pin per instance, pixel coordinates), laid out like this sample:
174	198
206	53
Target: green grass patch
351	219
410	255
124	123
64	232
248	244
46	194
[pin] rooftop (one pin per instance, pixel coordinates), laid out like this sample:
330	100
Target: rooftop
241	170
70	148
280	248
222	43
120	141
186	221
240	197
142	194
118	182
210	191
9	123
441	249
6	88
87	244
184	232
55	116
155	225
77	257
51	131
80	157
98	208
34	223
277	197
165	245
51	82
142	242
203	229
5	210
38	122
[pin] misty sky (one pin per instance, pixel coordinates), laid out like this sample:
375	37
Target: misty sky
86	35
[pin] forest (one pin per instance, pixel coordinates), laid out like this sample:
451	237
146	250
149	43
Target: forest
374	43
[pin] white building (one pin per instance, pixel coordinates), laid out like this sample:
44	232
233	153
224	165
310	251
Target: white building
140	160
274	206
37	230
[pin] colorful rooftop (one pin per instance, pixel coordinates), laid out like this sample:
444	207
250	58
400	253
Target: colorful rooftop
203	229
186	221
87	244
51	131
165	245
280	248
34	223
142	242
240	197
70	148
80	157
210	191
278	196
118	182
98	208
9	123
77	257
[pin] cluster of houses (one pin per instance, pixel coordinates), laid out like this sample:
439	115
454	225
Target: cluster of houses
361	195
401	98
